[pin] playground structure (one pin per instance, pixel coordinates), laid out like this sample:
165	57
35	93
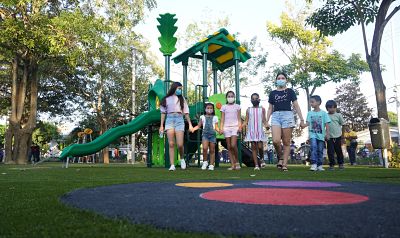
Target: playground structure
223	51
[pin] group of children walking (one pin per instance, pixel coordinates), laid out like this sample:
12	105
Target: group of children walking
323	127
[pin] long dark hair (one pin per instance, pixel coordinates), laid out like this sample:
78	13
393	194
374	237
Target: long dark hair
171	92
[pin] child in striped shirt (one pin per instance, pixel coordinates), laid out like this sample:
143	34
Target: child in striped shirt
255	120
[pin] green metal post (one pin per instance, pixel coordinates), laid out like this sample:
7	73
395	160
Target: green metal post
205	51
167	73
215	78
149	146
237	82
185	71
237	89
167	84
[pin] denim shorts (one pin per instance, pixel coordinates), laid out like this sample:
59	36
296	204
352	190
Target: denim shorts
210	137
175	121
284	119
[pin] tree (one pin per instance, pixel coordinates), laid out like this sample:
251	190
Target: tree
36	35
44	133
392	118
312	62
337	16
353	106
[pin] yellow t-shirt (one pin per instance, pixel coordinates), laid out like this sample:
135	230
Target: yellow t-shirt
349	134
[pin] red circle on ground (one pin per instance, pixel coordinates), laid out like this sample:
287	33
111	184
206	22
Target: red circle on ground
283	196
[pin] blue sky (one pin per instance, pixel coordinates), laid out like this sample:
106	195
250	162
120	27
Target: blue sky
249	19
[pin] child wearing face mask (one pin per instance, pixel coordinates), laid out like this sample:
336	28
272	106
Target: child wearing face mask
209	123
255	121
173	109
231	124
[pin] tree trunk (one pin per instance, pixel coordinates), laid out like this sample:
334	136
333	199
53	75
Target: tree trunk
23	117
103	128
380	89
308	99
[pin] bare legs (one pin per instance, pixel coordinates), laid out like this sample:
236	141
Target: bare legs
257	147
232	150
172	134
285	135
206	145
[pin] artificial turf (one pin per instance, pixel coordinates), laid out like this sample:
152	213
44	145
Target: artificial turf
30	196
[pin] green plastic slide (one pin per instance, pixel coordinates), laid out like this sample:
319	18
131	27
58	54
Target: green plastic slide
112	134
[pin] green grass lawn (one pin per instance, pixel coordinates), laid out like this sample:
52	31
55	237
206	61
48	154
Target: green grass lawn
30	206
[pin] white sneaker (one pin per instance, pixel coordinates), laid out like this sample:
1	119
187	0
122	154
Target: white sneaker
205	164
263	165
183	164
172	168
320	168
211	167
237	166
256	168
313	167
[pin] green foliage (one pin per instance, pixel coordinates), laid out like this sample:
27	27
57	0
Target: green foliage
337	16
2	135
394	160
353	106
392	118
167	30
312	61
44	133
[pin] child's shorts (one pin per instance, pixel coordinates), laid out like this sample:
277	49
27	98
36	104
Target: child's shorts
230	131
175	121
210	137
284	119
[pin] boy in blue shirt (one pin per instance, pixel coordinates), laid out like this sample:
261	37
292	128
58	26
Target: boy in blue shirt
318	130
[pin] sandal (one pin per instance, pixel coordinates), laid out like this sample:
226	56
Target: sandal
284	168
279	166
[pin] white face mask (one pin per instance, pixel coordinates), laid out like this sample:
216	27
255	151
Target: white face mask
231	99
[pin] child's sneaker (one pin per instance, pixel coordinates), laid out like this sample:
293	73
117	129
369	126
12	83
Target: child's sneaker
331	168
183	164
205	164
341	167
256	168
313	167
211	167
237	167
320	168
263	165
172	168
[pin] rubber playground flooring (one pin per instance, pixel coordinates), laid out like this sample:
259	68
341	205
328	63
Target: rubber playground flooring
284	208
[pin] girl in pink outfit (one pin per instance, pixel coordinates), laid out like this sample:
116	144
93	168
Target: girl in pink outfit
255	123
231	124
173	108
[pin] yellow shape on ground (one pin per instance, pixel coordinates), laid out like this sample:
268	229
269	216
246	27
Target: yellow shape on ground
203	185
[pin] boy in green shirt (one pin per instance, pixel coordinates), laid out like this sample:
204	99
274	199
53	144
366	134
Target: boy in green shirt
334	143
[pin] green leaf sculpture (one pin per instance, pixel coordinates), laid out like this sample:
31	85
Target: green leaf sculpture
167	30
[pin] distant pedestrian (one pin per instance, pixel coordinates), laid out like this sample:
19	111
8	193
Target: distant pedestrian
351	144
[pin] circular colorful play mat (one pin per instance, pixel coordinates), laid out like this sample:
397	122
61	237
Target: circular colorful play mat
260	208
